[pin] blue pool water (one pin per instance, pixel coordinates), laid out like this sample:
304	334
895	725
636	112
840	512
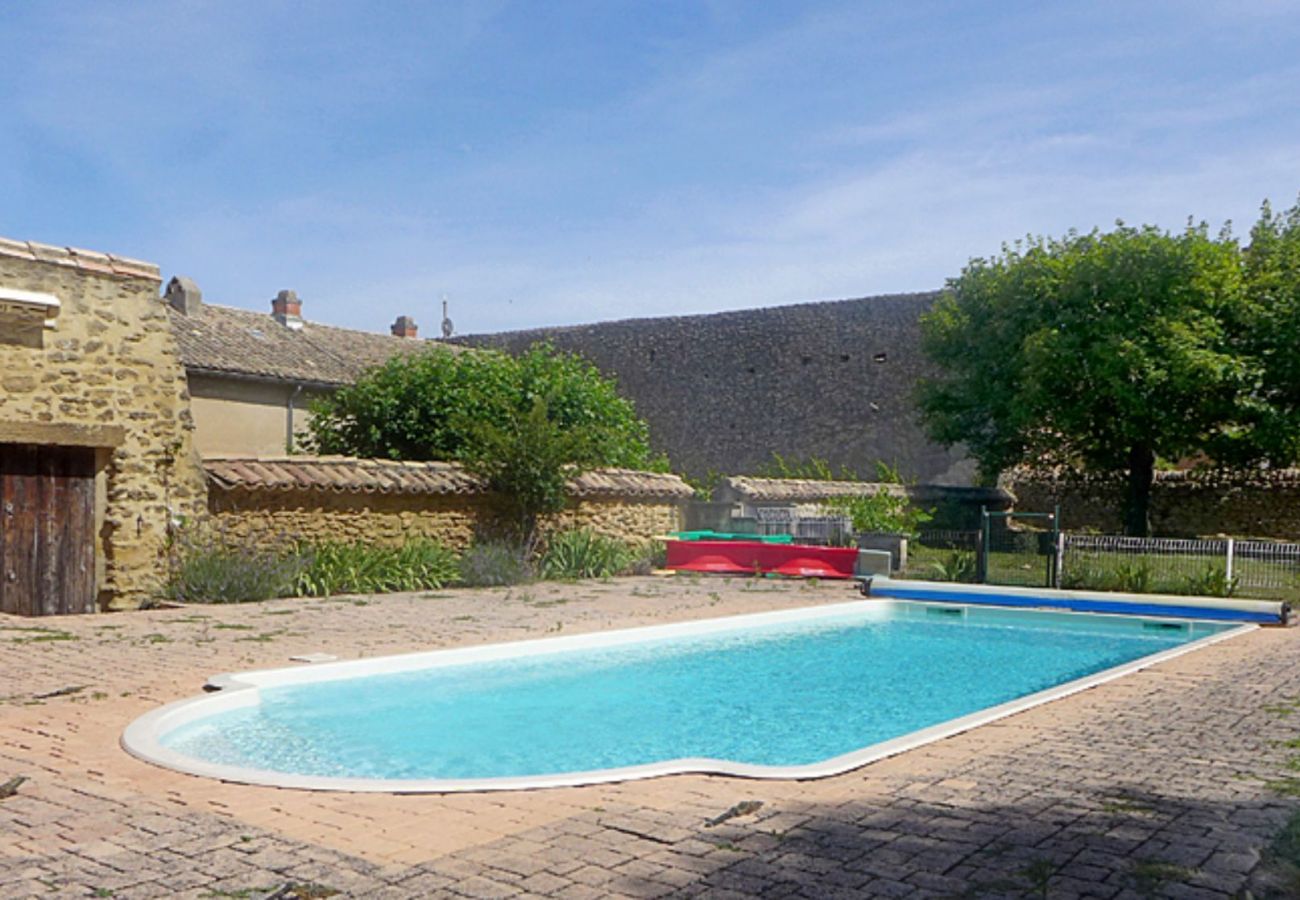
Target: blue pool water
778	695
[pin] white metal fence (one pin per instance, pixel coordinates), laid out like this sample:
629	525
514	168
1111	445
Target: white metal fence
1168	565
809	529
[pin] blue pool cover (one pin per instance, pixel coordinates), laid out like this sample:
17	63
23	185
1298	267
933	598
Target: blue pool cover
1257	612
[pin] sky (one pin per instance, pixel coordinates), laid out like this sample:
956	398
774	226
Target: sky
552	162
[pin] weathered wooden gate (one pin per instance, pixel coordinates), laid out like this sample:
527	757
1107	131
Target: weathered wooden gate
47	525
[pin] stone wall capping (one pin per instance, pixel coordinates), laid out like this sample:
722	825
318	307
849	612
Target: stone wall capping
80	258
340	474
125	265
84	255
50	253
10	247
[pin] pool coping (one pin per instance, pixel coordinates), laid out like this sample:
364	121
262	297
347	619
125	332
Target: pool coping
233	690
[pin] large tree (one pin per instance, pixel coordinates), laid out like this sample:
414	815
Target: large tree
1100	352
1272	267
525	423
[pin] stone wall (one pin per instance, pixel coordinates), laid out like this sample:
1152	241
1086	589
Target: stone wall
338	516
1183	504
107	376
722	392
393	518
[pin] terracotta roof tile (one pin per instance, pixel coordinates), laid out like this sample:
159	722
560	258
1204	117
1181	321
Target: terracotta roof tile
220	339
377	476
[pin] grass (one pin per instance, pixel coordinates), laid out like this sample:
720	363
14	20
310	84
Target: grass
1151	875
38	634
1122	804
1281	860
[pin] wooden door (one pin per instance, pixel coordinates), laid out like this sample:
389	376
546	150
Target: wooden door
47	530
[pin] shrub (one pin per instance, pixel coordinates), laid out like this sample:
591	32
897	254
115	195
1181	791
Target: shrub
336	567
490	563
582	553
217	568
812	469
524	424
882	511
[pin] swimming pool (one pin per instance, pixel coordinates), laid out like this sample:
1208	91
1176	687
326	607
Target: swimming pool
797	693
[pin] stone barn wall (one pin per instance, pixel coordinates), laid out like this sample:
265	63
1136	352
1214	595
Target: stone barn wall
107	376
722	392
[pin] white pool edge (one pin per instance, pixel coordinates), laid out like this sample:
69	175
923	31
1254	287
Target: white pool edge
141	737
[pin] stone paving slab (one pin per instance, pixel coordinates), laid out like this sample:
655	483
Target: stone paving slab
1152	785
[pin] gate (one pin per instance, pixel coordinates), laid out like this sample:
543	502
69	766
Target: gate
47	523
1020	548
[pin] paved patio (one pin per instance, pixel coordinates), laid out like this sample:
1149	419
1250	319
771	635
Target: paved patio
1153	785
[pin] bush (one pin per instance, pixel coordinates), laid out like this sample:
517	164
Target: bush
219	569
491	563
335	567
584	554
882	511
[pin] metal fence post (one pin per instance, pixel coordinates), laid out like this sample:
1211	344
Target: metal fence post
982	557
1060	558
1231	545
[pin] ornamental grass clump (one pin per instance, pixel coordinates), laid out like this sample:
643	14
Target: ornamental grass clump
583	553
338	567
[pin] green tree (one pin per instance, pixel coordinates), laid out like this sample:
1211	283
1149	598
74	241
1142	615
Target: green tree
1272	267
429	406
526	424
1098	351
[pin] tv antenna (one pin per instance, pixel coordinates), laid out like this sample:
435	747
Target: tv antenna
447	327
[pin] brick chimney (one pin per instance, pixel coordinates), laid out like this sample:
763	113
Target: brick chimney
404	327
286	308
184	295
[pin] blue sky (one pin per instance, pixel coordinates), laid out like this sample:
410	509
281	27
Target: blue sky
549	163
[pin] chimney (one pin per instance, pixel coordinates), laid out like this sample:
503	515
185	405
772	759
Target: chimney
184	295
404	327
286	308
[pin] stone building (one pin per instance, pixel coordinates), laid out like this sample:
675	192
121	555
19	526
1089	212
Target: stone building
96	452
252	375
722	392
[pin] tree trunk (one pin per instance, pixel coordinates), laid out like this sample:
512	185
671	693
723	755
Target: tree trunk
1137	494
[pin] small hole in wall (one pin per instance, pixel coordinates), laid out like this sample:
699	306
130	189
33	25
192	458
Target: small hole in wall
879	358
805	360
844	357
751	370
652	356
